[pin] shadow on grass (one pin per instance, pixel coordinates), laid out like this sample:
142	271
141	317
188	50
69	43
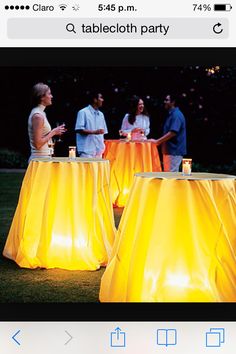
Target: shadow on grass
47	285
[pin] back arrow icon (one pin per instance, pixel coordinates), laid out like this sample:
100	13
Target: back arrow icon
69	338
217	29
14	337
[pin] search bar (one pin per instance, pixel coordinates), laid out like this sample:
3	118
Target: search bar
118	28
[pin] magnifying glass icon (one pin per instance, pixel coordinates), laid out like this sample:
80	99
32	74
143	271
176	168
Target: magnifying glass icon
70	27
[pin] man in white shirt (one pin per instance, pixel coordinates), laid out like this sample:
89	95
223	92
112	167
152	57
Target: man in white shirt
90	128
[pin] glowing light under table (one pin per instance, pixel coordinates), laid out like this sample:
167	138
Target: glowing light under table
128	158
64	218
176	241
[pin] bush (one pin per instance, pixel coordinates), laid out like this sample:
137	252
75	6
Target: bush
12	159
229	169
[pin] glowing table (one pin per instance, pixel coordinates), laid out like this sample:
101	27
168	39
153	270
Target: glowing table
176	241
64	218
128	158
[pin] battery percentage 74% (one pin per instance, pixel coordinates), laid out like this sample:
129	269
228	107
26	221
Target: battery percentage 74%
202	7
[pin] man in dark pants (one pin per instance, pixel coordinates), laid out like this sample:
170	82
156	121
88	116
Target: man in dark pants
173	140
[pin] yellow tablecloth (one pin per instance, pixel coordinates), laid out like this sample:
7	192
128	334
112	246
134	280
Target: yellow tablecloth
64	218
176	241
128	158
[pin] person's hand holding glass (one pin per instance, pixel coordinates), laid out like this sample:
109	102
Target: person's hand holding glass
59	130
58	125
138	134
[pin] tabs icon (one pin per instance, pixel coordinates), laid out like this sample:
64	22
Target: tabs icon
215	337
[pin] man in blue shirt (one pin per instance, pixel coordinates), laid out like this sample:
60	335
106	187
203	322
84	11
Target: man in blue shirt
90	128
174	136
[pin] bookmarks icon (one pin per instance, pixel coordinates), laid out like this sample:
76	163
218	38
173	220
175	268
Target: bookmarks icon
166	337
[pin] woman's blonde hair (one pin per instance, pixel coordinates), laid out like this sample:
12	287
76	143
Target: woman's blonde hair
38	91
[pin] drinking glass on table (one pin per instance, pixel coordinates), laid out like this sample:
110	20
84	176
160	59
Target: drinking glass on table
51	144
122	134
142	135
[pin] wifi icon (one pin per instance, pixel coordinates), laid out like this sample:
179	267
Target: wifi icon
63	7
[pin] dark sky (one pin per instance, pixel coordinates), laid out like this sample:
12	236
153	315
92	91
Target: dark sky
207	99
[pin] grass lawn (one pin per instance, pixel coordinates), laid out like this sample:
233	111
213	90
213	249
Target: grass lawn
27	285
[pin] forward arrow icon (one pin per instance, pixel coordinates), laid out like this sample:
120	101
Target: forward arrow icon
70	338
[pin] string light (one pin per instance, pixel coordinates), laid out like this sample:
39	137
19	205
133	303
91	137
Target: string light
213	70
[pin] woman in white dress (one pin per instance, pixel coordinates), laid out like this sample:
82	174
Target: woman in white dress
136	122
39	129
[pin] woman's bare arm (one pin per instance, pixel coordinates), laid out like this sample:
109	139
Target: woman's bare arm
37	124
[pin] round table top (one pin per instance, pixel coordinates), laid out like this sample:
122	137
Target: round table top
67	159
130	141
179	175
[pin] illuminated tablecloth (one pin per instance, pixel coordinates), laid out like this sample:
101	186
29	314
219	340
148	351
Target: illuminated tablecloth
128	158
176	241
64	218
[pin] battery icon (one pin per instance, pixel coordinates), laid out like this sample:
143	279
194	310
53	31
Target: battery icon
222	7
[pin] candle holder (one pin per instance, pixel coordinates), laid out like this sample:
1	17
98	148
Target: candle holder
72	152
186	167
